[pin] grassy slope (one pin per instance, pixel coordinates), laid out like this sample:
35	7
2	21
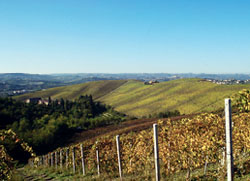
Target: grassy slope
134	98
186	95
96	89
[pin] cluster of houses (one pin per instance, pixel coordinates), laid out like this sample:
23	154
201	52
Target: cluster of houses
19	91
228	82
151	82
37	100
14	92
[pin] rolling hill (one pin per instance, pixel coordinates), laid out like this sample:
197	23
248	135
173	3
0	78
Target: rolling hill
97	89
134	98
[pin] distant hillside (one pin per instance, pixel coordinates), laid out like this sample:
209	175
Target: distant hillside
97	89
134	98
13	84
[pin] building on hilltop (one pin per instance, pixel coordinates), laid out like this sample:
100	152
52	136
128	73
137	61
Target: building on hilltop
37	100
43	101
34	100
151	82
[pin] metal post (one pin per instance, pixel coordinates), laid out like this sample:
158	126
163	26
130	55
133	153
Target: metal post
229	143
156	151
119	155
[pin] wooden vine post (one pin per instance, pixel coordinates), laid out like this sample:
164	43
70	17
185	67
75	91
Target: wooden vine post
205	166
223	156
56	159
229	143
98	161
52	159
73	160
41	163
169	166
119	155
67	158
156	153
61	159
32	163
48	161
43	160
82	158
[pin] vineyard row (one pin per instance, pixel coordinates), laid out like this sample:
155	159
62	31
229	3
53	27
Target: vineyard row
187	144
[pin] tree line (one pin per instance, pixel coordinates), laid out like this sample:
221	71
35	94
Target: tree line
45	127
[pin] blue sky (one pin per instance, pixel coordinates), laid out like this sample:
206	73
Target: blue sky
125	36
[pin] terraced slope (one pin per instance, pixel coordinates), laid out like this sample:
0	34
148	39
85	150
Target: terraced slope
134	98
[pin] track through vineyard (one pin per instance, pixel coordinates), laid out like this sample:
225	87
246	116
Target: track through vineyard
32	177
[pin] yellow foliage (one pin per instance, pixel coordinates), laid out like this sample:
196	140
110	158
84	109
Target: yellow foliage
183	144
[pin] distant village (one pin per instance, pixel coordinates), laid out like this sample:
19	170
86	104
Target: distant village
228	81
215	81
16	92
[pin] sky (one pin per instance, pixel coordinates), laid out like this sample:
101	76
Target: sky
124	36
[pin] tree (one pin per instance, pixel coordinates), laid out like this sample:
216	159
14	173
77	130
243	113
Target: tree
49	100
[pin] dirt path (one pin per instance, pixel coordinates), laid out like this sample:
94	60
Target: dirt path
30	176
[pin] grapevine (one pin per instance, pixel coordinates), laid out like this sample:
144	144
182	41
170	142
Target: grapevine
5	160
185	144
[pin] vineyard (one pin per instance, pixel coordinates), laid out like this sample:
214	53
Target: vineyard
6	161
189	147
184	145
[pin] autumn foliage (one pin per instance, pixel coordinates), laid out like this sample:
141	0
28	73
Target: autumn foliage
183	145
